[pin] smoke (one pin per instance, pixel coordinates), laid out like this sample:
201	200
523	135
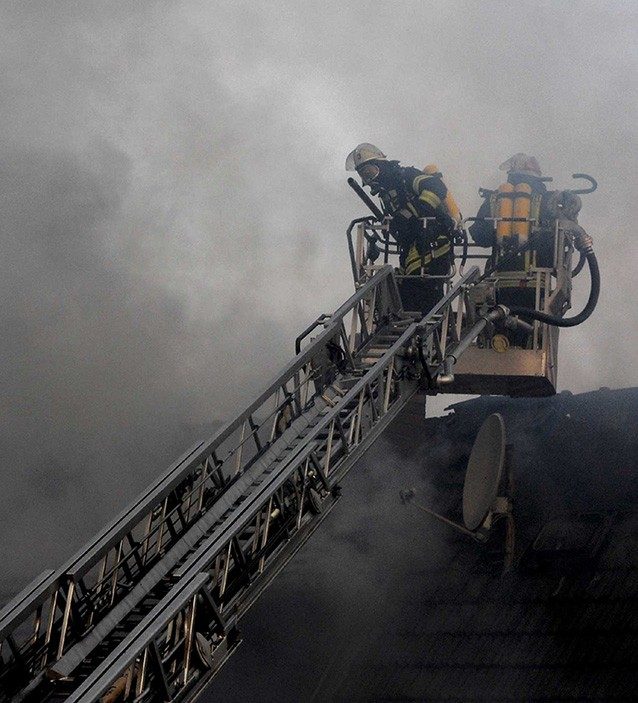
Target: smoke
137	271
173	206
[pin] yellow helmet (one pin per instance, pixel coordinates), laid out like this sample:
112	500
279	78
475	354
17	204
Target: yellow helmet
362	154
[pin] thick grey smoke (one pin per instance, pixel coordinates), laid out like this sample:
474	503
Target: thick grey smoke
173	205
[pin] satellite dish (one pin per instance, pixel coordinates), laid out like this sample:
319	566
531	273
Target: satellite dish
484	470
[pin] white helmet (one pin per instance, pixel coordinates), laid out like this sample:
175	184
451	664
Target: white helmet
361	154
523	165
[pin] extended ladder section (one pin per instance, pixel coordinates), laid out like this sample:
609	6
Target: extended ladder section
148	610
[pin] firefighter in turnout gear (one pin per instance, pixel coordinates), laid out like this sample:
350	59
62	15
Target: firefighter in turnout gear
520	216
524	195
409	195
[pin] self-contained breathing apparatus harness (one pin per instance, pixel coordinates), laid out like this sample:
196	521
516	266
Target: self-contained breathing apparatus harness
583	243
407	195
456	237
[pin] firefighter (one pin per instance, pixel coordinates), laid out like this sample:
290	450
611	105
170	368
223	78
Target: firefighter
408	195
523	195
527	212
524	180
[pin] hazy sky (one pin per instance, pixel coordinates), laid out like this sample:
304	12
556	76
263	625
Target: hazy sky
174	205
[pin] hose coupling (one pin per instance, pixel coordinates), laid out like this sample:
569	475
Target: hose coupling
500	312
515	323
583	242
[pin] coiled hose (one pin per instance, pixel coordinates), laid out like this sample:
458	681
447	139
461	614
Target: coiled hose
594	292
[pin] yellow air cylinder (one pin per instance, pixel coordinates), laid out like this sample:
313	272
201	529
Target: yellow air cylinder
449	202
522	208
504	208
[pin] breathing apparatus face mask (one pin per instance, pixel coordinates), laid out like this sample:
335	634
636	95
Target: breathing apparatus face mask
369	173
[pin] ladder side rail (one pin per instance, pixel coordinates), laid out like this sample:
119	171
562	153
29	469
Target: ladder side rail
242	584
68	611
78	650
244	587
217	542
184	671
31	654
240	599
76	605
391	303
36	592
227	513
90	554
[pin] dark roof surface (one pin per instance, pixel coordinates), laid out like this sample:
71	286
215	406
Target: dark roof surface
385	603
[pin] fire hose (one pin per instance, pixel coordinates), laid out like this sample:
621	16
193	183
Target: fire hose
556	321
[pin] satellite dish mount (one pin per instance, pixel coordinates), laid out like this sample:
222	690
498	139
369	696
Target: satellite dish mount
485	499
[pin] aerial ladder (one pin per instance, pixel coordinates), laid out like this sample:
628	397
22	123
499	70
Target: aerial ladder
149	609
